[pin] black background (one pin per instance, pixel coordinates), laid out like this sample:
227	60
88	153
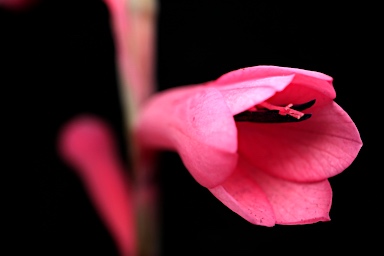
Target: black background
57	61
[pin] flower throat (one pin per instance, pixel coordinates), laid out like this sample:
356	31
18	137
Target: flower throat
268	113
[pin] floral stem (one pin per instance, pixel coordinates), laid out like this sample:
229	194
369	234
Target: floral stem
133	23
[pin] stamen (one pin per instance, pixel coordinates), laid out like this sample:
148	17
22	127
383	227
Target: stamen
269	113
271	116
283	110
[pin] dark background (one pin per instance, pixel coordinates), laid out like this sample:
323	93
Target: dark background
57	61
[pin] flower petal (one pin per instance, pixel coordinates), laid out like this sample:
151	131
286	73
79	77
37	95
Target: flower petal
292	202
208	165
243	95
312	150
243	195
266	200
195	121
304	83
257	72
86	143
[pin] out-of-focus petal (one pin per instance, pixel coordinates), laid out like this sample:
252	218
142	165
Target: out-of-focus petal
312	150
196	122
17	5
134	35
86	143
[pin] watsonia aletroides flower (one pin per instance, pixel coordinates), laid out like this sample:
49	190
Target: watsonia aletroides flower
264	140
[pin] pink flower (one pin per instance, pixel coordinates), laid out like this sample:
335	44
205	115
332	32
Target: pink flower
87	144
271	164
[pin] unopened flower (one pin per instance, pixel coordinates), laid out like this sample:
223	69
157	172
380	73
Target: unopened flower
86	144
264	140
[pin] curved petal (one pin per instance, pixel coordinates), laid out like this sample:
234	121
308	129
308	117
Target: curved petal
195	121
304	81
312	150
208	165
243	95
297	93
243	195
86	143
293	202
263	71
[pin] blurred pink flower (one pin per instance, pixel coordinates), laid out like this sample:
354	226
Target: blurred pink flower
86	143
17	4
133	26
269	164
